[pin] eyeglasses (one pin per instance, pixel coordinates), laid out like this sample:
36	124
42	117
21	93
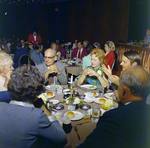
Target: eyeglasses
48	57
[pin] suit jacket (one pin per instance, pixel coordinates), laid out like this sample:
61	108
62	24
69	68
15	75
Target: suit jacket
26	127
110	57
62	78
75	51
125	127
31	39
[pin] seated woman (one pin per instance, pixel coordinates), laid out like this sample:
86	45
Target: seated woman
110	56
55	46
94	74
6	69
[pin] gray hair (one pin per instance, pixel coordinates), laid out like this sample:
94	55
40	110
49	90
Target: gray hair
139	86
86	42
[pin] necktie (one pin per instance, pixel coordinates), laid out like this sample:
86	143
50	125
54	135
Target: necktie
79	54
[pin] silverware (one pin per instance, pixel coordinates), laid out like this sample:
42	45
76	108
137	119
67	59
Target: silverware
83	123
76	130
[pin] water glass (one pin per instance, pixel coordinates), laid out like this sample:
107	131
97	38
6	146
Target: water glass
95	112
71	106
101	90
86	115
59	90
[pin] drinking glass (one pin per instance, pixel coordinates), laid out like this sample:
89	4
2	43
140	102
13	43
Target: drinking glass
71	106
101	90
86	116
95	111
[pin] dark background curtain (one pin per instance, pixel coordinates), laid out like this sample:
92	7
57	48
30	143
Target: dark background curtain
92	20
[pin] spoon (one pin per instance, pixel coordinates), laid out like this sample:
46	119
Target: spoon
76	130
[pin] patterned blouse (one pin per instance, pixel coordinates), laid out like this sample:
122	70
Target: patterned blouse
93	79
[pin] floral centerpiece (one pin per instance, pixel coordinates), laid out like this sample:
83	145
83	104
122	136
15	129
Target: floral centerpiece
75	100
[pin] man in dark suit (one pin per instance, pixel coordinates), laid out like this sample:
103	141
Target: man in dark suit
80	51
127	126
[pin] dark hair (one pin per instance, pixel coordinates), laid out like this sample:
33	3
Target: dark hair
133	56
132	79
38	45
26	83
79	41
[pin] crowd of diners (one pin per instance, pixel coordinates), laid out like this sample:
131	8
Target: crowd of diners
26	122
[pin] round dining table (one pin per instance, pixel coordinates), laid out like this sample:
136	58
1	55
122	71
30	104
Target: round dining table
84	128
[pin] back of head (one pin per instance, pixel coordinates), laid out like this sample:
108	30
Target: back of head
111	45
137	80
133	56
100	54
26	83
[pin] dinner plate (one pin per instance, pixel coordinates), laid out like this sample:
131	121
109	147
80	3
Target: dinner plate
88	100
85	107
96	100
45	97
88	86
97	94
58	107
50	87
108	95
78	115
54	101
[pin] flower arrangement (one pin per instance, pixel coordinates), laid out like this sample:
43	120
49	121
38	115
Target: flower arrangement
75	100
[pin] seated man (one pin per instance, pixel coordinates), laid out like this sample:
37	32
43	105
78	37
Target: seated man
18	53
126	126
37	55
80	51
22	124
129	59
50	68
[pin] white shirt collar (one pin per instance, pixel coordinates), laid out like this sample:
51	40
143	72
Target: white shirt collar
26	104
127	103
106	53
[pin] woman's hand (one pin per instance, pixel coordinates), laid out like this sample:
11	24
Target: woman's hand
91	72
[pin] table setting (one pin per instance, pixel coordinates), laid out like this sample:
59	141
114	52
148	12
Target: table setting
80	106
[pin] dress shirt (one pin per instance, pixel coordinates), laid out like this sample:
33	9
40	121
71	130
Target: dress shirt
37	57
79	53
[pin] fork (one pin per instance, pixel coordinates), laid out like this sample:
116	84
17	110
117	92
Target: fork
76	130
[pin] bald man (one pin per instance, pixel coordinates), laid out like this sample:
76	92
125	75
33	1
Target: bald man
126	126
51	68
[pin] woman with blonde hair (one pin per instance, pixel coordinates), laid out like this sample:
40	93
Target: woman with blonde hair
94	74
55	46
110	56
6	69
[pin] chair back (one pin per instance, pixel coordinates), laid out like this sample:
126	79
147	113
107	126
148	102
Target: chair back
25	59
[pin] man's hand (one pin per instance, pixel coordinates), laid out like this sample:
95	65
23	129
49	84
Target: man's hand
107	71
54	69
